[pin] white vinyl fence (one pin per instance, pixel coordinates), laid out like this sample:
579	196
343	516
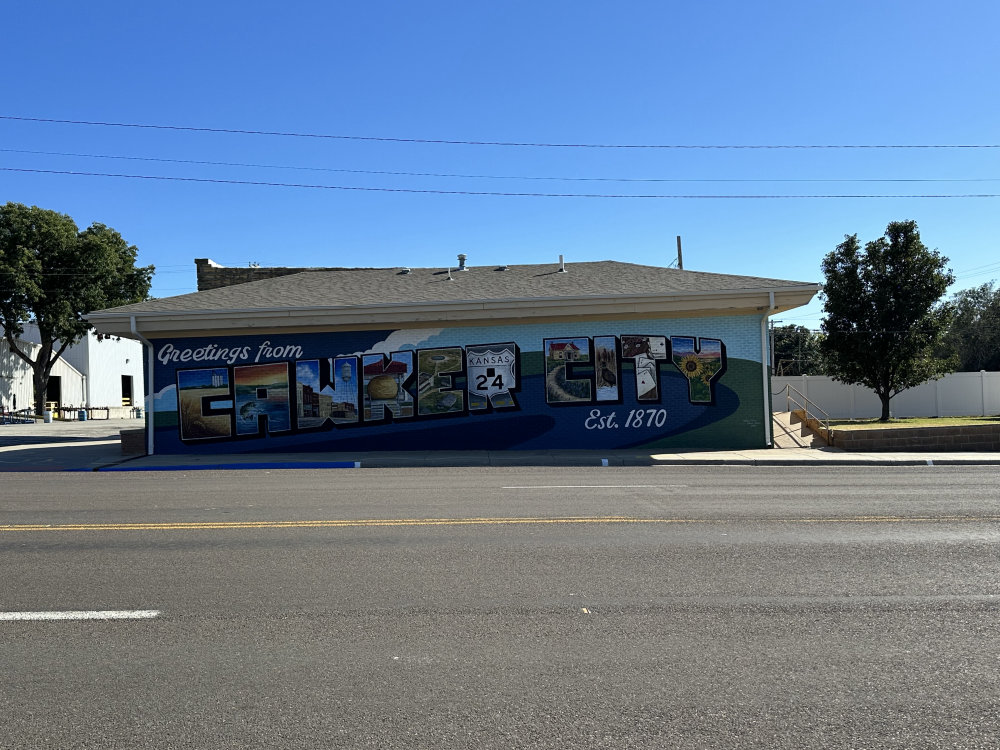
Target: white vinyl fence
960	394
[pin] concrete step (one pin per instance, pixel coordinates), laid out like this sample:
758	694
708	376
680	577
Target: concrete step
790	432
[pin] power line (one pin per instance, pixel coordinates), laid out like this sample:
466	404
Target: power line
527	144
995	264
975	275
201	162
357	188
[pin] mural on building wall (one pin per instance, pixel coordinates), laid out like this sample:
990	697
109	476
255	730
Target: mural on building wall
395	390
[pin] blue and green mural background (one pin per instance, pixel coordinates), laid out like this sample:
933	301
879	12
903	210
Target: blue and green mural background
658	384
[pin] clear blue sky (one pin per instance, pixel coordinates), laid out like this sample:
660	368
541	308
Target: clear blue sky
667	73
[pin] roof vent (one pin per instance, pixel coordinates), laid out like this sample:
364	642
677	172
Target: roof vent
404	271
504	267
562	265
449	274
461	262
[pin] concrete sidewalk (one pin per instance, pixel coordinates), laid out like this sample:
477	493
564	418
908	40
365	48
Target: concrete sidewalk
95	446
62	446
400	459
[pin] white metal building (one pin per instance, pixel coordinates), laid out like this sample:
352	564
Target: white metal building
100	371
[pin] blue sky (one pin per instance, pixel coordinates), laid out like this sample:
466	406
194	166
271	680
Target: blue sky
653	73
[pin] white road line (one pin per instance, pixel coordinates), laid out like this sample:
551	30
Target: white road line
110	614
589	486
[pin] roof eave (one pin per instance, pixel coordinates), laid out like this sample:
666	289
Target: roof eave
421	314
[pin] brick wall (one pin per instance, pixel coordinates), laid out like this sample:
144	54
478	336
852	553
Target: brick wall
212	276
959	438
681	419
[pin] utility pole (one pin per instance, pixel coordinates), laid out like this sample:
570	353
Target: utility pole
680	256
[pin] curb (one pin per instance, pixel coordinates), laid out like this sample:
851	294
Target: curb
228	467
540	461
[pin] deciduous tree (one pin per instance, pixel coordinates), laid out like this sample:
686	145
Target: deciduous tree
974	333
52	274
883	318
796	351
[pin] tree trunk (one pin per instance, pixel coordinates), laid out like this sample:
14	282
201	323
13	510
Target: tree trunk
885	407
40	382
41	368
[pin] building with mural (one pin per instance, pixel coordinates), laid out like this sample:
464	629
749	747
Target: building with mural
594	355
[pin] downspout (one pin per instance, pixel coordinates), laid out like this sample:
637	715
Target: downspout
763	369
150	394
89	368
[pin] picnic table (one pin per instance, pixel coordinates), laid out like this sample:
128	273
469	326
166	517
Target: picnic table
72	412
21	416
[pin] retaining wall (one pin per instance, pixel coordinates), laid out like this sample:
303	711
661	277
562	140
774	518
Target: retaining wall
905	439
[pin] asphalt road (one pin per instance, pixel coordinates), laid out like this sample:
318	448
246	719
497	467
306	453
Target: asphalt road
655	607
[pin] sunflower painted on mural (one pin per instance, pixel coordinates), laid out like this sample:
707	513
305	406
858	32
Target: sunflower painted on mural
691	366
699	375
700	365
709	368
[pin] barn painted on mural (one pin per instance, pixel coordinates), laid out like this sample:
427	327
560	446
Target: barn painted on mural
592	355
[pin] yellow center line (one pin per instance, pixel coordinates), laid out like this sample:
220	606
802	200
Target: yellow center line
408	522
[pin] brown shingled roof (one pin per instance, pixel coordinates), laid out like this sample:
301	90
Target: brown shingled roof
326	288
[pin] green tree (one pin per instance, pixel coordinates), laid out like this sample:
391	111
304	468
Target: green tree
974	334
883	318
796	351
52	274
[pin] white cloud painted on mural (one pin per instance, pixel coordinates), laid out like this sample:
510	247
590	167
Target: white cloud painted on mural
399	341
166	399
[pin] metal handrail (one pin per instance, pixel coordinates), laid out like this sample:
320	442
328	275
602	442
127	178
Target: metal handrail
804	405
